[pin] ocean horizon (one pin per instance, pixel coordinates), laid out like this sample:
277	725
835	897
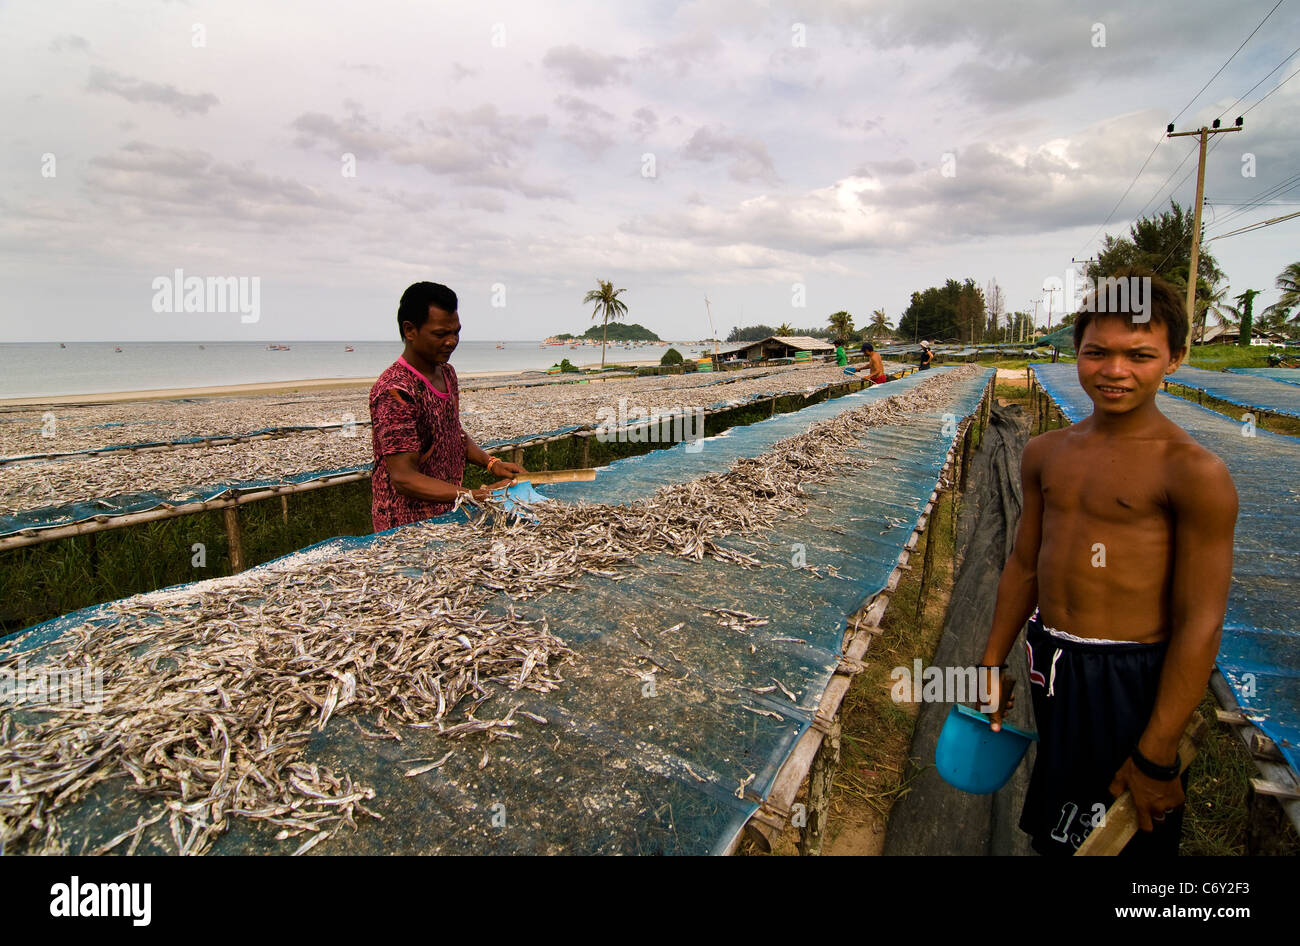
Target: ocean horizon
45	369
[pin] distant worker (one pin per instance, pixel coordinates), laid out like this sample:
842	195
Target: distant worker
877	371
841	358
420	447
927	356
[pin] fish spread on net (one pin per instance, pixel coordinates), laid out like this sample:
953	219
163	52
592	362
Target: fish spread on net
212	691
181	474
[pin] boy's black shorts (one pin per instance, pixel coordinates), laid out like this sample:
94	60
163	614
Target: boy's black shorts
1092	701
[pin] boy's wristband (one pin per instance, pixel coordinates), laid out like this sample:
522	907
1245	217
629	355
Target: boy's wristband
491	461
1163	773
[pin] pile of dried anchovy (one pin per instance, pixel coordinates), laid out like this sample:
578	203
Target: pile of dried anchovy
212	691
181	472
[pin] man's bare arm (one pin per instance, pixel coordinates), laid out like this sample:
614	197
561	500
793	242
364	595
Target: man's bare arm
404	473
1205	510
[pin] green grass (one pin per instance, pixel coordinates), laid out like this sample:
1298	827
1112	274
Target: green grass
1218	357
1275	423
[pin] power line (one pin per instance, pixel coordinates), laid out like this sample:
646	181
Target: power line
1230	58
1274	89
1256	226
1137	176
1284	61
1269	193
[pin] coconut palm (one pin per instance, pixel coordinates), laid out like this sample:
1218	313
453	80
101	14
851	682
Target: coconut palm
1289	282
879	324
784	329
841	325
608	306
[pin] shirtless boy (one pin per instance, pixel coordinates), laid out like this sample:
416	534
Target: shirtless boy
1123	559
876	369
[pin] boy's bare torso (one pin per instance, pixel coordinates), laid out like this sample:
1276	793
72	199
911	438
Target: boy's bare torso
1106	557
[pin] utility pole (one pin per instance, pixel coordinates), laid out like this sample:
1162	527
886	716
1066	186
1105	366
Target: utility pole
1204	134
1049	307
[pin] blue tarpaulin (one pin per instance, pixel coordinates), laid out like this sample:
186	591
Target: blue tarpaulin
1243	390
1286	375
681	771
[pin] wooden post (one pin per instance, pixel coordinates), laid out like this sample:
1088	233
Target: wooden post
234	539
586	451
546	455
824	765
517	455
965	458
772	413
284	508
929	557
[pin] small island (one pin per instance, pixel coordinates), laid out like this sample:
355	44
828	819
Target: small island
617	332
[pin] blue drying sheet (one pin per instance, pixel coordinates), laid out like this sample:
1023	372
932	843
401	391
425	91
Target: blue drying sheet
1260	652
1285	375
1259	393
614	770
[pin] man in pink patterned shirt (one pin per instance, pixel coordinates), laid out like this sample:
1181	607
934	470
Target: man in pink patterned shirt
420	447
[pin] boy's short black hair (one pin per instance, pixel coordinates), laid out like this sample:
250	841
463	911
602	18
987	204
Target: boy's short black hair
867	346
1162	305
417	299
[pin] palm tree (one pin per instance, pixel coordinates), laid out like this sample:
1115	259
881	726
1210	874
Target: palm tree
879	324
608	306
841	325
1289	282
784	329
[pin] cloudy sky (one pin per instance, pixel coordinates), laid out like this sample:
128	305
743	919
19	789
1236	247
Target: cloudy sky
862	149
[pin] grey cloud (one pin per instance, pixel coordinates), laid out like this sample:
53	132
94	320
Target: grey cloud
459	72
477	146
69	41
644	122
581	109
587	122
484	200
190	183
356	134
750	158
138	90
681	56
889	168
585	68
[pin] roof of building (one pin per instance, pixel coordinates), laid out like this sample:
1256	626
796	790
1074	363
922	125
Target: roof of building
802	342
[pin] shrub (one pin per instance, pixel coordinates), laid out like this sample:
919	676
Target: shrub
671	357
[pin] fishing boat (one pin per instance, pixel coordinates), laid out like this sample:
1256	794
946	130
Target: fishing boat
118	348
61	345
501	344
349	348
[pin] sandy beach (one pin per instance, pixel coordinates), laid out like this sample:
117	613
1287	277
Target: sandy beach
260	387
221	390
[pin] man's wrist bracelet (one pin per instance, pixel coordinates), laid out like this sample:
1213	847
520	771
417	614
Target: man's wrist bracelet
1163	773
491	461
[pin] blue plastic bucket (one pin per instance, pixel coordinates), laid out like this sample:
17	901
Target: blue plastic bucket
974	758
